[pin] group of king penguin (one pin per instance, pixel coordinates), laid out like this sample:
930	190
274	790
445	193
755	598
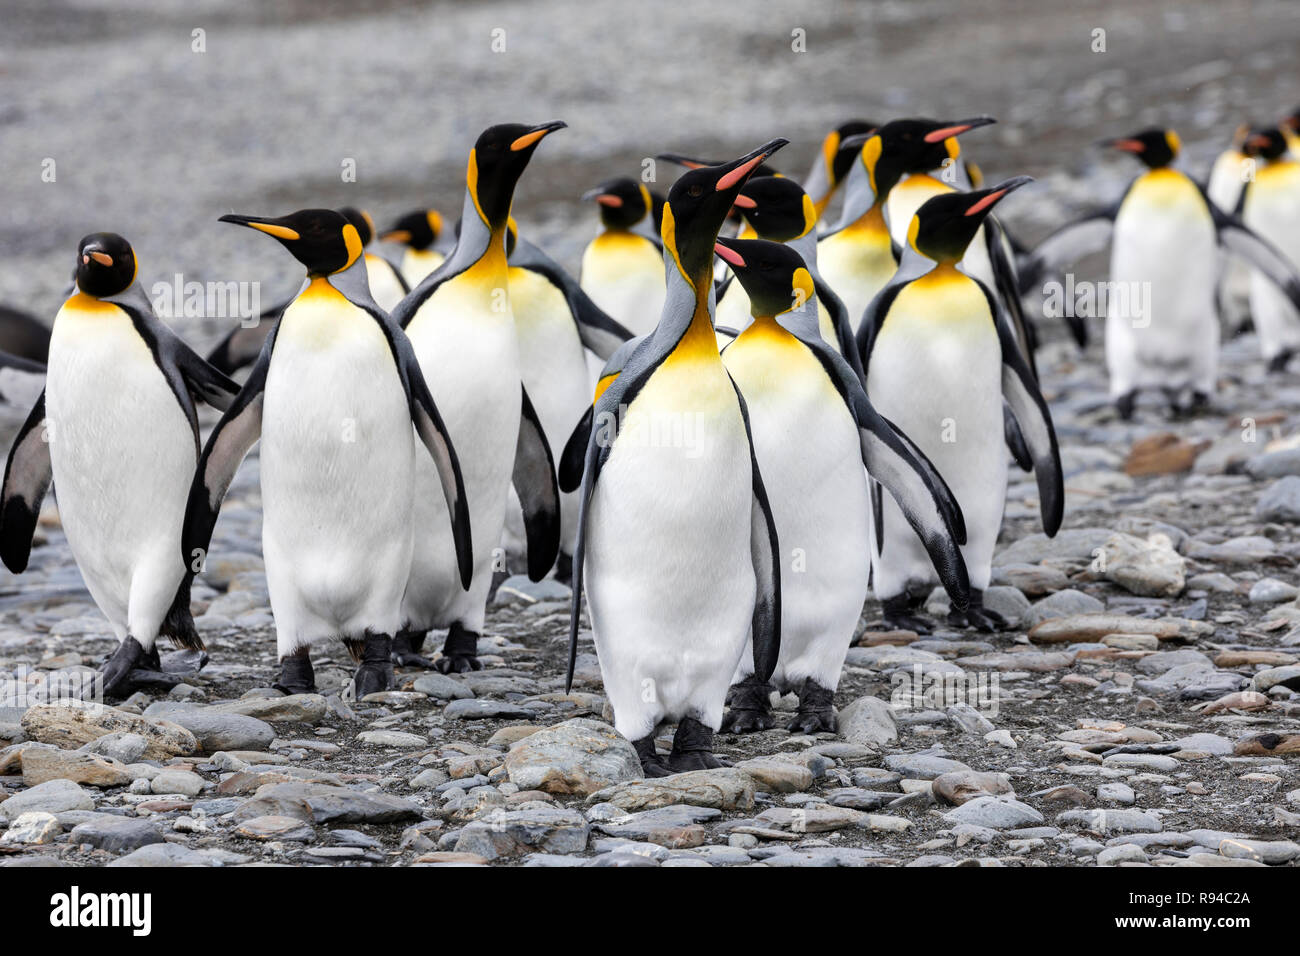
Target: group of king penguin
696	434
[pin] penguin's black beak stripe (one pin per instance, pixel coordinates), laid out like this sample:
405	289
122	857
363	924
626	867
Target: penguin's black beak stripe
741	168
685	161
947	132
536	133
857	139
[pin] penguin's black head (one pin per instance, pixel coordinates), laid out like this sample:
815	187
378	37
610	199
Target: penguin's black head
657	201
1292	121
698	204
906	146
361	219
321	239
690	162
775	277
1267	143
944	225
496	162
418	229
105	264
776	208
623	202
839	157
1155	147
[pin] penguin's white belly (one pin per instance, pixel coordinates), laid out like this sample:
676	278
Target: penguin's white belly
669	576
935	371
1272	209
418	263
1162	327
123	457
337	474
856	266
909	196
810	458
624	275
384	287
470	358
553	367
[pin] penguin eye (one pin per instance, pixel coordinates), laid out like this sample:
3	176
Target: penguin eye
695	191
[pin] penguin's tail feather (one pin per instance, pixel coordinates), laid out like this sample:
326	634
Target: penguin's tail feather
179	622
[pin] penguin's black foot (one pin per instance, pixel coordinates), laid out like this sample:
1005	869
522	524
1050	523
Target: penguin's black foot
1125	404
459	652
564	568
899	616
376	670
406	649
749	707
652	765
977	616
693	748
816	711
1198	404
296	674
1278	362
116	672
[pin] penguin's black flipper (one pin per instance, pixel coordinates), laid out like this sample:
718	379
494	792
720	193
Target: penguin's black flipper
243	344
843	327
240	427
575	450
1068	244
1008	286
1015	440
765	552
601	334
1243	242
21	364
205	382
534	481
27	478
1022	396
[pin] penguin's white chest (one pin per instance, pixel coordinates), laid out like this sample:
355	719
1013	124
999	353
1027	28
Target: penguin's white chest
1272	209
624	275
121	450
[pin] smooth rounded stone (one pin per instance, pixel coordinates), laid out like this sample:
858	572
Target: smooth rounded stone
275	827
392	738
1032	580
1151	568
821	856
474	709
1194	682
811	819
292	709
778	774
33	828
578	756
1069	544
1066	603
1204	743
514	832
868	721
1215	581
185	782
1271	852
726	788
1001	738
1272	591
116	834
323	803
1007	601
856	798
1288	676
220	731
1163	661
715	855
124	747
1246	551
962	786
995	813
53	796
71	723
165	854
1115	792
442	687
40	765
921	766
675	827
518	589
1124	853
1092	628
968	719
1123	820
221	569
1034	661
1274	464
622	859
429	779
1280	501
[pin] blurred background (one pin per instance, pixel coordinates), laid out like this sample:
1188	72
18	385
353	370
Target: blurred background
154	139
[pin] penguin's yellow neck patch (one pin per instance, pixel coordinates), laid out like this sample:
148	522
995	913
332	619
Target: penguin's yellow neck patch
87	305
602	385
870	225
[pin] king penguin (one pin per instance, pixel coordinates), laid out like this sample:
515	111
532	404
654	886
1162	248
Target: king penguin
832	163
1162	328
622	268
387	287
793	384
417	232
1224	187
1270	205
117	430
462	327
1291	130
333	398
675	536
935	325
